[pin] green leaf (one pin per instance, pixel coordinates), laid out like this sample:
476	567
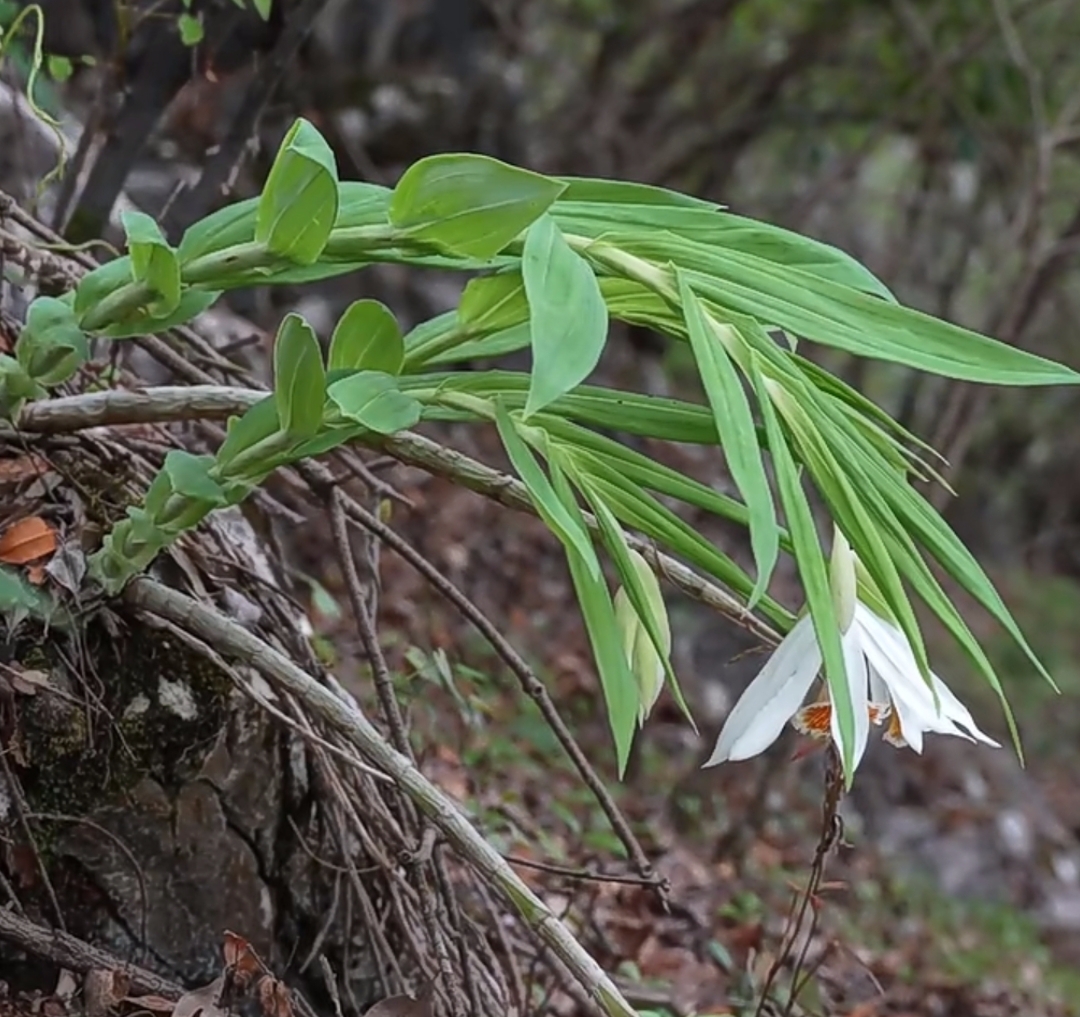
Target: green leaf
567	314
471	205
367	338
191	29
498	344
360	204
60	68
192	304
299	377
51	346
647	472
257	424
640	510
784	247
190	476
616	679
642	591
839	316
814	575
491	303
299	203
735	425
625	192
263	8
96	285
565	525
847	507
373	399
651	416
153	261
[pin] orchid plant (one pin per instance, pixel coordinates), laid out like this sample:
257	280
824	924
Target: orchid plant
553	261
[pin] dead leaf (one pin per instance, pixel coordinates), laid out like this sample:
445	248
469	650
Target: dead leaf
406	1006
155	1004
275	998
202	1001
68	567
18	471
66	986
240	954
103	988
26	541
28	682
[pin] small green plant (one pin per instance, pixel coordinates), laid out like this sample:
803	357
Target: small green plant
554	260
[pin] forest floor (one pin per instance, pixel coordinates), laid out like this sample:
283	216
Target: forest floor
949	892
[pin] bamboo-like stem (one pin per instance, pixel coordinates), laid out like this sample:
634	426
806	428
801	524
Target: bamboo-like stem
231	640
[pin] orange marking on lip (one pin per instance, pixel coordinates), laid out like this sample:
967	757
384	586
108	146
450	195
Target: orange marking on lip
814	720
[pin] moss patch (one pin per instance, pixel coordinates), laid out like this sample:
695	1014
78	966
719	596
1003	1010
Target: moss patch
139	704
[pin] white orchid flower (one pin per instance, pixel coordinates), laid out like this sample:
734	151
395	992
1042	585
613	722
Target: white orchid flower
884	682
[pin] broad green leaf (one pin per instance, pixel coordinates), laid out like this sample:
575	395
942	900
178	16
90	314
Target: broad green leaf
360	204
191	29
632	302
491	303
738	435
96	285
299	377
471	205
373	398
190	476
567	316
299	203
153	261
814	575
367	338
51	346
192	304
571	532
616	679
257	424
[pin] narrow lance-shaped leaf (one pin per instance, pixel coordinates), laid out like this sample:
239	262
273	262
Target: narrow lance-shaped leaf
299	202
639	510
814	575
567	315
902	549
471	205
642	591
567	526
735	425
846	501
366	338
616	678
299	377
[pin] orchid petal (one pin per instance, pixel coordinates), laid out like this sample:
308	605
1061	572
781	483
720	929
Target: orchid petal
772	698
